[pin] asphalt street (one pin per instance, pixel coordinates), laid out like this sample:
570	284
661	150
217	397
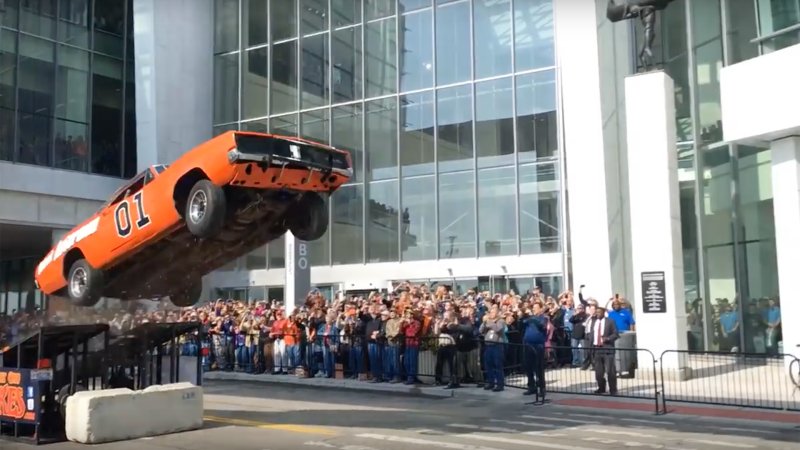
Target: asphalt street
255	416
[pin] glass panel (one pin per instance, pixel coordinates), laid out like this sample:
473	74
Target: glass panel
226	88
256	294
346	135
708	55
348	224
494	123
254	21
380	66
8	65
691	271
260	126
8	18
38	17
277	253
381	138
72	84
276	293
410	5
216	131
345	12
417	155
226	25
418	220
284	125
537	121
319	250
109	25
313	16
454	119
497	228
493	37
375	9
129	149
284	78
539	208
453	61
457	215
255	77
257	259
759	277
776	15
71	149
314	126
741	29
382	210
36	82
533	34
416	58
73	23
346	64
283	19
106	116
316	86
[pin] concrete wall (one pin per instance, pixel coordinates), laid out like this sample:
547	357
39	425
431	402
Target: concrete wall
174	77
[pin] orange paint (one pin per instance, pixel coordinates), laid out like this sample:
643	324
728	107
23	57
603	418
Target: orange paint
12	400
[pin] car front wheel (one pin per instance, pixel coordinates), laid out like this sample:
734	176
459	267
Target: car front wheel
308	219
84	283
205	209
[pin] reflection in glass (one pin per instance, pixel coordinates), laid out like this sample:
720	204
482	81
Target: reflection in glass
8	18
346	135
708	59
38	17
539	208
277	253
383	223
8	104
226	87
380	71
255	82
777	15
533	34
283	20
315	71
454	119
73	23
375	9
314	126
418	218
260	126
497	222
381	138
72	84
348	224
493	37
284	78
257	259
109	25
313	16
494	122
71	145
106	115
284	125
457	215
346	64
417	134
453	62
537	121
416	57
411	5
36	82
217	130
345	12
254	22
741	30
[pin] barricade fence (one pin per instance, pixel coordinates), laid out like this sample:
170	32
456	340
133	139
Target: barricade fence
732	379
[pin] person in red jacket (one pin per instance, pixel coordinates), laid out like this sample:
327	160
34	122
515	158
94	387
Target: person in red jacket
410	328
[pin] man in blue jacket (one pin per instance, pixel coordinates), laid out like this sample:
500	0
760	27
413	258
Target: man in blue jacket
535	325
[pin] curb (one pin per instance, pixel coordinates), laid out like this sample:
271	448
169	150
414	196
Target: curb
323	383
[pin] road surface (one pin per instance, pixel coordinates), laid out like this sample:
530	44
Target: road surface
254	416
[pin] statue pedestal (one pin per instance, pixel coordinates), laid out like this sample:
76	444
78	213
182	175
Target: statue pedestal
657	256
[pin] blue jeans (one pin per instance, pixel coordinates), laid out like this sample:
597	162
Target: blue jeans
243	357
375	360
494	356
355	362
294	355
577	353
390	353
411	363
329	362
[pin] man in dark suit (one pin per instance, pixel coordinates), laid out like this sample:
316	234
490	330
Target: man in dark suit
603	334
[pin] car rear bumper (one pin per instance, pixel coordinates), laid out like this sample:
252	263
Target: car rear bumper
281	172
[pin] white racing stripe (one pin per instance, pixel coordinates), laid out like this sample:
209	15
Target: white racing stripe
556	419
651	422
722	444
410	440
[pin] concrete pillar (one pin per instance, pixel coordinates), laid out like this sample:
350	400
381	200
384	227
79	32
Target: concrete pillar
786	206
657	257
298	272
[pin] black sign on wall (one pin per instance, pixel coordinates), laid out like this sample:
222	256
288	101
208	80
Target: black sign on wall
654	299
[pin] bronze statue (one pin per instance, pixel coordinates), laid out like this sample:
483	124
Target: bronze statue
645	10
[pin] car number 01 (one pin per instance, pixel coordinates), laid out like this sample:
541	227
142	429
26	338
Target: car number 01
122	215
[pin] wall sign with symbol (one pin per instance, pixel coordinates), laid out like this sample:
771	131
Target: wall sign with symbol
19	399
654	298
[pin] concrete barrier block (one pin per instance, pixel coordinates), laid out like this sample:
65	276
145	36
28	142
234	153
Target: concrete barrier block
95	417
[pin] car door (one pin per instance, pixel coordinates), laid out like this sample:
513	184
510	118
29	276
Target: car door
126	217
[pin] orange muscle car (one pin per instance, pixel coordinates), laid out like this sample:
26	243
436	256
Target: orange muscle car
170	225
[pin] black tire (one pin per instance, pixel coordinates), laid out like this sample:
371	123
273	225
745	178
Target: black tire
84	284
188	296
205	209
308	219
63	394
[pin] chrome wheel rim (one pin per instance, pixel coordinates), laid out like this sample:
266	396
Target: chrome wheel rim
77	284
197	206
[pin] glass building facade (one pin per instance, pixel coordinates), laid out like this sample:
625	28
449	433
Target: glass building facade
67	88
730	260
448	109
17	291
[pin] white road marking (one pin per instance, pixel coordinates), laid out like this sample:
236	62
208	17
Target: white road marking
652	422
480	428
633	444
746	430
527	424
621	433
357	447
556	419
503	440
591	416
723	444
410	440
319	444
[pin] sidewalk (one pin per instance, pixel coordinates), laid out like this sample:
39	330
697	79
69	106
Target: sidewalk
600	405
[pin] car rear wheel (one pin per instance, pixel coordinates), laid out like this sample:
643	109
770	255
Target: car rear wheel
84	283
188	296
205	209
308	219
